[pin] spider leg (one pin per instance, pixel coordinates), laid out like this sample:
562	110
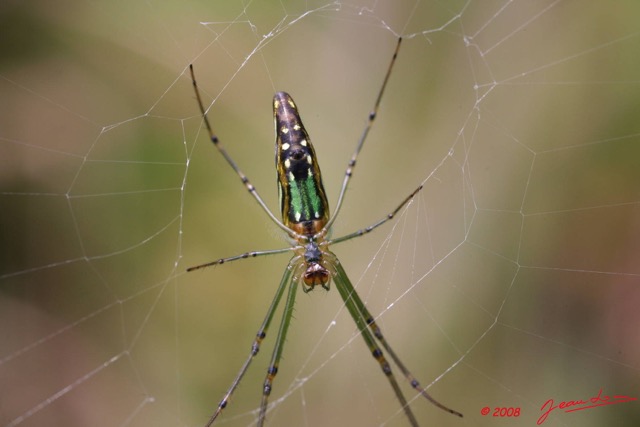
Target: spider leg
377	224
272	370
369	329
354	305
370	119
234	166
242	256
262	333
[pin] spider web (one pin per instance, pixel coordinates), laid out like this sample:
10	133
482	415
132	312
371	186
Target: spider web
511	279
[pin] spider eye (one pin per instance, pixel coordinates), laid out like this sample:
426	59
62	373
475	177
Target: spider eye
315	275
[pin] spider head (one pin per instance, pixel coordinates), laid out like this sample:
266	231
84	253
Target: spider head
315	273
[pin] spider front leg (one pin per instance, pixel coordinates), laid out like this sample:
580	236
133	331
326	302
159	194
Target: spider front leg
369	329
262	333
347	292
272	371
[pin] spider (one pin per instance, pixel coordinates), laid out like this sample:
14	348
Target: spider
306	221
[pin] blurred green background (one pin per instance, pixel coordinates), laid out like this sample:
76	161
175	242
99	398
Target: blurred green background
512	278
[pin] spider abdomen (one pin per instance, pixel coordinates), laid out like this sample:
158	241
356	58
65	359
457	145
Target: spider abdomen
303	202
